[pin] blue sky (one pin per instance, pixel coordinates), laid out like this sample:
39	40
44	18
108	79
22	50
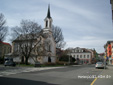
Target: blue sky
85	23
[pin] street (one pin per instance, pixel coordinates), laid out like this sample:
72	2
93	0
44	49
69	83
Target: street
68	75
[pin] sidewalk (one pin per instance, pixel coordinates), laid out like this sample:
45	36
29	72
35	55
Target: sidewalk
4	71
106	77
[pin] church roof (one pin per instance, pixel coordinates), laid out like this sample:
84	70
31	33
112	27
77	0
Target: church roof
25	37
48	13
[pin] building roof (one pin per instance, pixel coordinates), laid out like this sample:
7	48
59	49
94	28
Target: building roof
48	13
84	50
100	53
108	42
5	43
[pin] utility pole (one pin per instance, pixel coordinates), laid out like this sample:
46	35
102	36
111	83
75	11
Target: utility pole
69	56
104	62
69	59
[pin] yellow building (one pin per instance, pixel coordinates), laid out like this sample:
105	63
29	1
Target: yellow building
5	48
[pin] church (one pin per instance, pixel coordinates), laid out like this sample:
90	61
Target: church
46	39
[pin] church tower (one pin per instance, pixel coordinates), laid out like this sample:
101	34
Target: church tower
49	41
48	21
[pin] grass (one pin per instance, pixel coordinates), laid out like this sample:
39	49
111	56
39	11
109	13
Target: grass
24	65
56	65
43	65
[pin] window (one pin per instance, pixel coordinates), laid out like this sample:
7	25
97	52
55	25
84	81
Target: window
50	24
84	56
77	50
18	48
46	23
80	56
77	56
87	56
49	48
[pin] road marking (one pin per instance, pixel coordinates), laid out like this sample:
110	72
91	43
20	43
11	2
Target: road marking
93	81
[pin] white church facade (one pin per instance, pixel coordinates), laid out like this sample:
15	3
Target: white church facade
50	55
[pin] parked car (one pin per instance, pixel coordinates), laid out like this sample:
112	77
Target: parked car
9	63
99	65
37	64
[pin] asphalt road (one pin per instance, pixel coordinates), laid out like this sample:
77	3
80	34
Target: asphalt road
71	75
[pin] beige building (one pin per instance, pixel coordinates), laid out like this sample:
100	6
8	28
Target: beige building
82	54
5	48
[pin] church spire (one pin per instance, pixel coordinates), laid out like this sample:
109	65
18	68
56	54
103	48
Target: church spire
48	13
48	20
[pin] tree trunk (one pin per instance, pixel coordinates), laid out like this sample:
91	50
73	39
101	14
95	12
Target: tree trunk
26	60
22	59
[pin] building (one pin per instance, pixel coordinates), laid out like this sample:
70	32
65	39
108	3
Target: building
111	2
109	45
109	52
5	48
47	41
101	56
84	55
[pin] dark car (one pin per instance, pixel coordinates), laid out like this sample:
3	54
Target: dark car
9	63
37	64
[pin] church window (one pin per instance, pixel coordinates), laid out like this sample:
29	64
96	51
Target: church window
49	48
50	24
49	59
46	23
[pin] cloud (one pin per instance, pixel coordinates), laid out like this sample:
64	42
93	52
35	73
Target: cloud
88	43
84	23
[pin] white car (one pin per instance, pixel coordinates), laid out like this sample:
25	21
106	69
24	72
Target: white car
99	65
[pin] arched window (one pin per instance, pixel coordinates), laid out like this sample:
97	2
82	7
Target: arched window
49	59
50	24
46	23
49	48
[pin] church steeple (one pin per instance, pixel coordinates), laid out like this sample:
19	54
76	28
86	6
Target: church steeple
48	13
48	20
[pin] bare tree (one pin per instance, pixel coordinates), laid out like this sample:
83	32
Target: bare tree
27	38
58	37
3	27
39	51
